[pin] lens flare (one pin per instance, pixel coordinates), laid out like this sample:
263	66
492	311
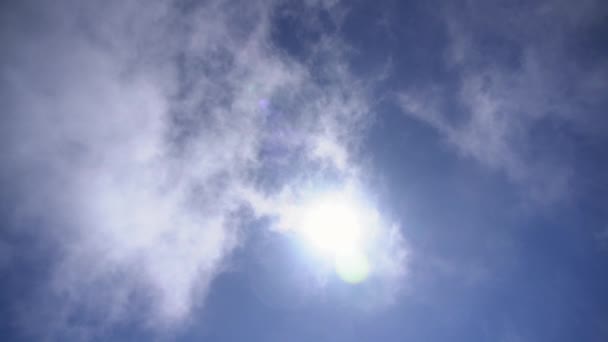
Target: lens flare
352	267
337	227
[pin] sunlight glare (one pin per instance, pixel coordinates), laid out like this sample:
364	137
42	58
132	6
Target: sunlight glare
336	227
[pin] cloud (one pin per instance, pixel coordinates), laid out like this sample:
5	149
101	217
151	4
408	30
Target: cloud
132	132
515	89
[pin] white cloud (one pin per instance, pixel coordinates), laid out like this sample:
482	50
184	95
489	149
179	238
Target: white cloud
134	133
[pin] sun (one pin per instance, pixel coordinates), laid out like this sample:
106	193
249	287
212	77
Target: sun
337	227
331	225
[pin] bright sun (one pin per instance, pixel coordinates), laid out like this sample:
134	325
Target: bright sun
336	227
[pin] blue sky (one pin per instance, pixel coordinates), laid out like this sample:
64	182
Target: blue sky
317	170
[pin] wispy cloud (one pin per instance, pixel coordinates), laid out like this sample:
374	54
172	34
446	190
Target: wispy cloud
503	92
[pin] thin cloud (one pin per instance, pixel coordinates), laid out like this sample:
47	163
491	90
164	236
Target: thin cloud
503	93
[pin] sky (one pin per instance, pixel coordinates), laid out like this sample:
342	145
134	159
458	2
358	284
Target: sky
314	170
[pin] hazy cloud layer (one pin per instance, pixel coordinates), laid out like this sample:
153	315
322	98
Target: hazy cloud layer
149	147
